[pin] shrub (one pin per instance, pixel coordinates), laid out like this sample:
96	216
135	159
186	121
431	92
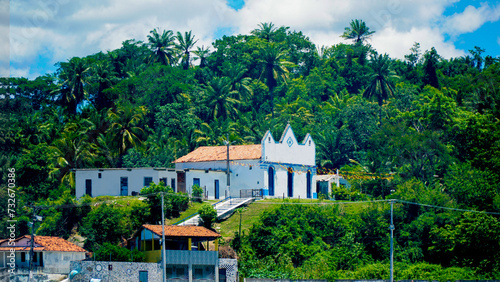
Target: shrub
197	193
208	215
342	193
110	252
173	203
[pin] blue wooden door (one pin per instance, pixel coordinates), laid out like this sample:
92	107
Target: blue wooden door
123	186
216	185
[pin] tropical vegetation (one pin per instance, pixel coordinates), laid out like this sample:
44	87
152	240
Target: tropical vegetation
423	130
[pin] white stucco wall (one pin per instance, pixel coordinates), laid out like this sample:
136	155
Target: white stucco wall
288	150
245	174
52	262
109	183
207	181
289	153
58	262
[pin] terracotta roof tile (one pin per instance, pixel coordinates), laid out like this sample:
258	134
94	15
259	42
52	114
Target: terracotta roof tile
182	231
47	243
219	153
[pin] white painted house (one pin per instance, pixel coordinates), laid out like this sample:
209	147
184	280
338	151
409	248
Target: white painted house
120	181
51	254
284	168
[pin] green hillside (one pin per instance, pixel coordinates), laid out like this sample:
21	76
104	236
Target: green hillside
421	129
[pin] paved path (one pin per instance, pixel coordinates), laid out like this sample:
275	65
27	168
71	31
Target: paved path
224	208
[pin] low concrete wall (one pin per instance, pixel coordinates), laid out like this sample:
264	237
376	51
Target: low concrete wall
114	271
231	267
129	271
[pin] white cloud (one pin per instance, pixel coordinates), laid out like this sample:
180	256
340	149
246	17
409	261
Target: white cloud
24	72
398	43
62	29
471	19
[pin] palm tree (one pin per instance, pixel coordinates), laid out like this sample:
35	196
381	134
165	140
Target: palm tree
162	46
185	44
273	69
218	96
331	152
380	86
358	31
239	81
431	60
125	125
205	135
72	151
202	54
297	110
105	78
265	31
74	77
336	104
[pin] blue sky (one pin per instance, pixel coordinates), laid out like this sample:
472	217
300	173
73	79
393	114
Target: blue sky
38	34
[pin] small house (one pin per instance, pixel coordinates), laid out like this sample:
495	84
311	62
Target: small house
51	255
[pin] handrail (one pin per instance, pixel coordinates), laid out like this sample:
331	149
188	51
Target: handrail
185	219
194	214
228	198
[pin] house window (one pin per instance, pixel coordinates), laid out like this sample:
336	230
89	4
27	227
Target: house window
123	186
99	175
23	257
309	142
147	181
164	181
203	272
250	168
88	187
196	181
180	272
172	184
269	138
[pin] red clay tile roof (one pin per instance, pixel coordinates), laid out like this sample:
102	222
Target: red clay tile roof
46	243
182	231
219	153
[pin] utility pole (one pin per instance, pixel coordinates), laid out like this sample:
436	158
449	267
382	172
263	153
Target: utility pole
228	181
32	242
391	227
163	261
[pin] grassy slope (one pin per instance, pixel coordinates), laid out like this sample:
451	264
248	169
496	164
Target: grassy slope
250	215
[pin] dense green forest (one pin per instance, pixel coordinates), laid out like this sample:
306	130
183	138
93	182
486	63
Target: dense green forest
420	130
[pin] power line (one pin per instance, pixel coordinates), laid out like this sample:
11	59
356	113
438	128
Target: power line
113	201
378	201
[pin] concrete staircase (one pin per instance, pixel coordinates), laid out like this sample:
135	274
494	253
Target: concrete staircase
224	209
